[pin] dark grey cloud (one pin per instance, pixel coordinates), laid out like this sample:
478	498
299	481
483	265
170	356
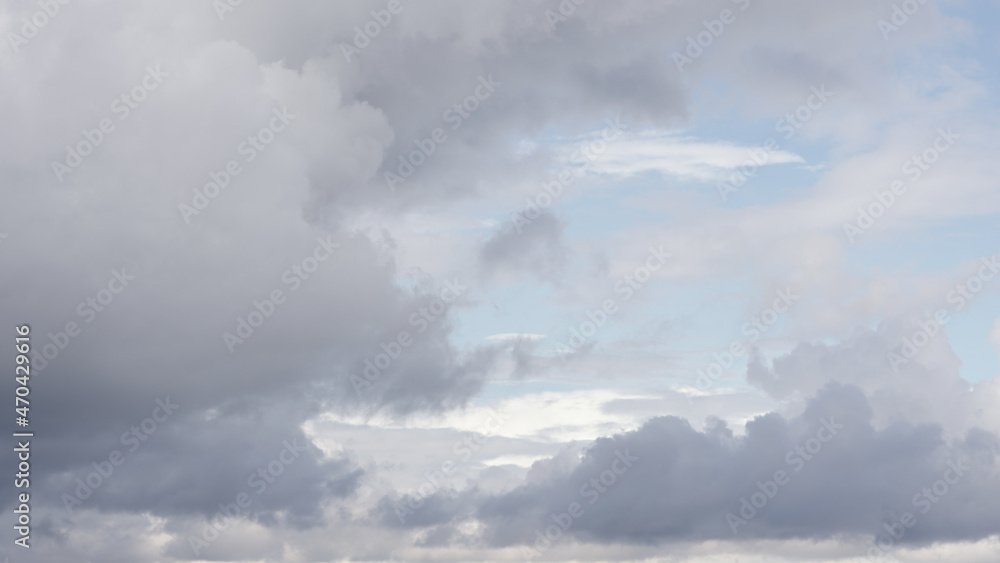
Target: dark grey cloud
682	482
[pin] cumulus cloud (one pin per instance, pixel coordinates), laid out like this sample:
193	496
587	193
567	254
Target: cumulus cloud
666	481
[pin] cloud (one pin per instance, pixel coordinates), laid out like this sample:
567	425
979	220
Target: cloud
107	356
535	249
684	158
683	483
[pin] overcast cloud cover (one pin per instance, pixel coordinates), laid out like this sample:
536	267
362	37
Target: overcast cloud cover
547	280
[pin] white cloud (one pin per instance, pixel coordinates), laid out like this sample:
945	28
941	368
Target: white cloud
683	157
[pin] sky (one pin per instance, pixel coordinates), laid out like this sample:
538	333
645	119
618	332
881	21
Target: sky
538	280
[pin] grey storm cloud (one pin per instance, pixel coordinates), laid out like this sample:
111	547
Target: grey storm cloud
841	475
